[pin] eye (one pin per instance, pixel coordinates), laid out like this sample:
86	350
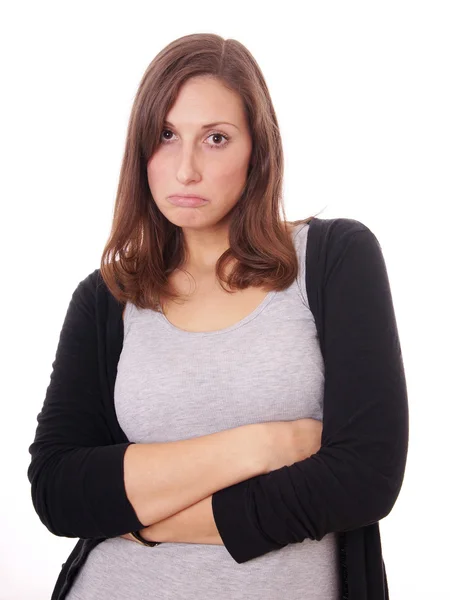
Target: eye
166	141
220	135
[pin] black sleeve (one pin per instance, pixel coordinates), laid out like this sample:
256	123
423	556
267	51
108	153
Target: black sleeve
76	472
356	476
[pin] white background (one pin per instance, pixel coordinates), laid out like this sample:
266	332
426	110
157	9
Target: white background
361	91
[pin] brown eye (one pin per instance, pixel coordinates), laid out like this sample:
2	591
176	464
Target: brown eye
218	135
166	131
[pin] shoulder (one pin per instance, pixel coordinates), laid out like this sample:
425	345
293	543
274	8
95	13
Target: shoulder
91	282
94	297
339	244
337	227
88	289
333	235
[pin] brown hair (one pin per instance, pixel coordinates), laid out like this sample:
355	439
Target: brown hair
148	246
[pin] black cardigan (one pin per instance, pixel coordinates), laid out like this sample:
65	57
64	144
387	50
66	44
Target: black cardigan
352	482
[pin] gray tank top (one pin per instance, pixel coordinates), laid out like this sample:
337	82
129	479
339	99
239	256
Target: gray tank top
266	367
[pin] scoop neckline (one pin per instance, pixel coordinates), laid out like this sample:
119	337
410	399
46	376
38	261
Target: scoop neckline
261	306
265	301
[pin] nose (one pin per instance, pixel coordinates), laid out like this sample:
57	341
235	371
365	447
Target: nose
188	168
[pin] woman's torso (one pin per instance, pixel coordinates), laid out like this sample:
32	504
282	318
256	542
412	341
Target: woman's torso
216	362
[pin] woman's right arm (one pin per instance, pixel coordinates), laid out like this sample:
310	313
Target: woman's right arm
161	479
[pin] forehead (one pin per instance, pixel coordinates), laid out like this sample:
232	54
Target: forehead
205	103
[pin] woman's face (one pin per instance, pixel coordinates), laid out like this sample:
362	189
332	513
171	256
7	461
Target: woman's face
191	159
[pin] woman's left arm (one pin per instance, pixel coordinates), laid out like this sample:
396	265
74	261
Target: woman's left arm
355	478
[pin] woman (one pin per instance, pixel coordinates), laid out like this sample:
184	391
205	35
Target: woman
181	435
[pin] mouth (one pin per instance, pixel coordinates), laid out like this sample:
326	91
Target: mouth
187	201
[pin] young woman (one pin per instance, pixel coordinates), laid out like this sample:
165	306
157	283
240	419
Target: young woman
227	413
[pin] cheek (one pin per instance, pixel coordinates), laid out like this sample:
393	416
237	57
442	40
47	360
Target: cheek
229	172
154	165
157	174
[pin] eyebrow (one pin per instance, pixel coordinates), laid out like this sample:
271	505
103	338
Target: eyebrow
207	126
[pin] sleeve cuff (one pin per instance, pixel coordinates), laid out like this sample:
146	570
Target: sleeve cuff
233	514
113	512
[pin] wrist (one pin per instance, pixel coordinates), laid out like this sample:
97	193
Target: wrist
142	536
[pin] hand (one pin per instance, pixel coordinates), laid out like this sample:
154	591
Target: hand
287	442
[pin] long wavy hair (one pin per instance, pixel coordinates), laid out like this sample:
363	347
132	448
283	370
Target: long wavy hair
144	247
